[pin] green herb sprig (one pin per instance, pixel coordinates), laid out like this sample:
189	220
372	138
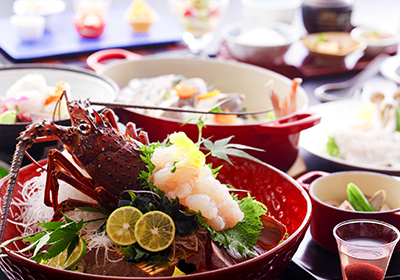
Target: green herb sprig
59	235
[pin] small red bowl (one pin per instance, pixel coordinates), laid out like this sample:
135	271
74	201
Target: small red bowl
323	187
285	198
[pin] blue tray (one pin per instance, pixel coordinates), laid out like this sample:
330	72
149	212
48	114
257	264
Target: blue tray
63	38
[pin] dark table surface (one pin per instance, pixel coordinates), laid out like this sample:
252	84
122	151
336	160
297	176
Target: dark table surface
310	261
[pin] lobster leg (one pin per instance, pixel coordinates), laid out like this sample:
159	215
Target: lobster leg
57	162
130	128
71	204
60	168
108	114
104	199
131	132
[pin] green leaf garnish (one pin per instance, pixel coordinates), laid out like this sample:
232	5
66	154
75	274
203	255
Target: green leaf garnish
222	148
244	235
214	171
59	235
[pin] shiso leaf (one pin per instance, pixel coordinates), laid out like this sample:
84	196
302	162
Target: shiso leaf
244	235
59	235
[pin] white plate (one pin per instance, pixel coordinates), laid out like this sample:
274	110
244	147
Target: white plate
84	83
390	68
335	114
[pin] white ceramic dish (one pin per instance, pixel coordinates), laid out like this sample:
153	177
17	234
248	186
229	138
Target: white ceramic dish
273	10
29	28
378	41
84	84
335	114
258	42
46	8
390	68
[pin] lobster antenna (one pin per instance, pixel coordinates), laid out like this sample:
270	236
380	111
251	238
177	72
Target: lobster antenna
58	105
15	167
34	161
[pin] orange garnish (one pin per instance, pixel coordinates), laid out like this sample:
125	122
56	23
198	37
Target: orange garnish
209	94
185	91
53	97
50	98
225	119
288	104
296	84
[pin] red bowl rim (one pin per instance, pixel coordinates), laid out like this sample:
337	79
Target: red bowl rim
237	267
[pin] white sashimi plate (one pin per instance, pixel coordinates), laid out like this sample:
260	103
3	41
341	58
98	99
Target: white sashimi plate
336	114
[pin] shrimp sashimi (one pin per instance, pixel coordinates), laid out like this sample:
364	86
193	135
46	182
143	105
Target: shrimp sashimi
180	171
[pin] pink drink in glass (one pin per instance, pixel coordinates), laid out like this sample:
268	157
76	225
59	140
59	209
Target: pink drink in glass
365	248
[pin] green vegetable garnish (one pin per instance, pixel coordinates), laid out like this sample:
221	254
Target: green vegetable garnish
244	235
332	148
8	117
60	235
357	199
321	38
3	172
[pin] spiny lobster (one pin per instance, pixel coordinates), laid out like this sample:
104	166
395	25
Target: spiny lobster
109	157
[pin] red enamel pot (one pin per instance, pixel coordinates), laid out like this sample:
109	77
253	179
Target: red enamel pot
278	138
323	187
286	200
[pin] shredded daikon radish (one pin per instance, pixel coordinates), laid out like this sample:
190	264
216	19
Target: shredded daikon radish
32	210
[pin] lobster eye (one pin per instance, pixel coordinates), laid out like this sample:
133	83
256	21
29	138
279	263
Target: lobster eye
84	127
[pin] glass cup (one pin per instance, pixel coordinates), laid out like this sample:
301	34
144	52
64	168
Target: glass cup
90	17
365	248
199	18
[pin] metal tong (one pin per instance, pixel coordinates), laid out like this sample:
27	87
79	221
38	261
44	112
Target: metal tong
351	88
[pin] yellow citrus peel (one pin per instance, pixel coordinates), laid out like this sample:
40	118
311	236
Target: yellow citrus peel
193	157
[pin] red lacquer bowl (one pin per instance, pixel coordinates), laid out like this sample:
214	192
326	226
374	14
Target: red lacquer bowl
285	198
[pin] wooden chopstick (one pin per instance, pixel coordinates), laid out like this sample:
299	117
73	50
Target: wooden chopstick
123	105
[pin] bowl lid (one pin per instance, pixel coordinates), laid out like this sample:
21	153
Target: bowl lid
328	3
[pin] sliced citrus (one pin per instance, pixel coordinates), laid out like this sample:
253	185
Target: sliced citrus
120	225
60	261
155	231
